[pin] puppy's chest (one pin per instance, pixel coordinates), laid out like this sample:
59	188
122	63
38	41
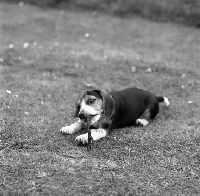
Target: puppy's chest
102	123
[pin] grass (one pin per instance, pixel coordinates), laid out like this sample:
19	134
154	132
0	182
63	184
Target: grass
66	53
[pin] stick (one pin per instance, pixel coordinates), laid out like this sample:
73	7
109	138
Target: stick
89	147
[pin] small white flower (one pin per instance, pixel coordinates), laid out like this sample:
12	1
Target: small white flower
87	35
16	96
148	70
133	69
189	102
11	46
26	113
26	45
9	92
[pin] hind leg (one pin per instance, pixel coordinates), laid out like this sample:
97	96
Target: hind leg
141	122
148	116
145	119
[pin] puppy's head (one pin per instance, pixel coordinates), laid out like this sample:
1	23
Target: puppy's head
96	104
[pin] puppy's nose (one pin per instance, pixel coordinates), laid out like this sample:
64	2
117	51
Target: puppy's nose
81	115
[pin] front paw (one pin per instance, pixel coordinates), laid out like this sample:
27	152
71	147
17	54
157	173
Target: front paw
142	122
67	130
82	139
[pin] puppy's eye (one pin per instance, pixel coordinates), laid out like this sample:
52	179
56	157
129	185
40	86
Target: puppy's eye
90	101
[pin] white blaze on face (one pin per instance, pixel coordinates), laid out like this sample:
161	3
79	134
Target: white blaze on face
87	109
94	109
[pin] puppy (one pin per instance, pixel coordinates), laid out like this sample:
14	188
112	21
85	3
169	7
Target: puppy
110	110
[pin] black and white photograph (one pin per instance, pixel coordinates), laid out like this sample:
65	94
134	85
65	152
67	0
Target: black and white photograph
100	98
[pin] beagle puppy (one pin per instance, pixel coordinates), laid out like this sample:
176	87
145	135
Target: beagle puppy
111	110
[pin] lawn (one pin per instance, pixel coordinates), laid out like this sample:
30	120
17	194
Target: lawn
48	57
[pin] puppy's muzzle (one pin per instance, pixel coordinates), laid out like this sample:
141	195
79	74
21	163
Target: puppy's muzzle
84	116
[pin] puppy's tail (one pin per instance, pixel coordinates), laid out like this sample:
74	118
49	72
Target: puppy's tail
163	99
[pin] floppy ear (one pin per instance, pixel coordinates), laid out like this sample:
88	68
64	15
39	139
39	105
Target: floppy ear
77	108
108	104
78	105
